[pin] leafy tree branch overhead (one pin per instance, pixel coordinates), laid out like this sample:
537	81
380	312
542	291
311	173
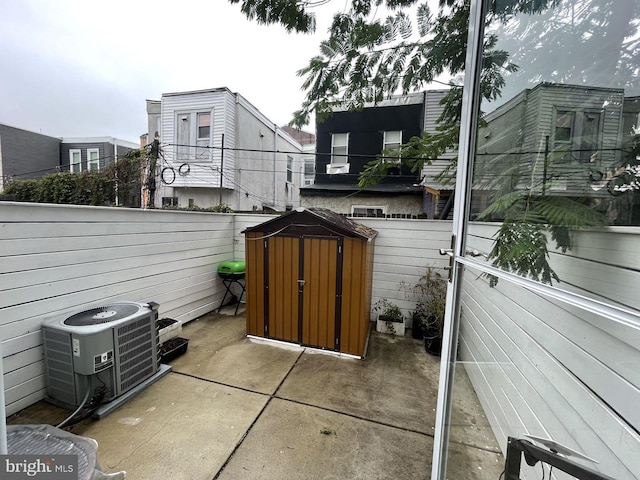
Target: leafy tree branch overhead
379	48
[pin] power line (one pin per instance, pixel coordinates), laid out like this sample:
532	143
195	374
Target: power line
315	154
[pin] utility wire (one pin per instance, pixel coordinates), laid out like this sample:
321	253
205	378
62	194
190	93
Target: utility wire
315	154
385	157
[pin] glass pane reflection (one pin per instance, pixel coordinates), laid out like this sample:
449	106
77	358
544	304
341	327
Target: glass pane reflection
558	149
555	198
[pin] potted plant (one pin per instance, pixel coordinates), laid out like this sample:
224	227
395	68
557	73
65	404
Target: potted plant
390	318
430	308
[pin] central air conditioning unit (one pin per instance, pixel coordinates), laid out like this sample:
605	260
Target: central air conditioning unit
113	348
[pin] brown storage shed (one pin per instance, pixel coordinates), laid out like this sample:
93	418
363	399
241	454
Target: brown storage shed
308	280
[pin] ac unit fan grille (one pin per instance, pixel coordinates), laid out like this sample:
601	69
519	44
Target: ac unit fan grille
108	313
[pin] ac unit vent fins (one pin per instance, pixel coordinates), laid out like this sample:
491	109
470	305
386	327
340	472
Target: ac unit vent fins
99	315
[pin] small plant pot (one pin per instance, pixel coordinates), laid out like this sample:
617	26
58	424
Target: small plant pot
433	344
390	326
173	348
417	330
168	328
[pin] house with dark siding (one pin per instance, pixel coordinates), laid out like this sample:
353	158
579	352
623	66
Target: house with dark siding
347	140
30	155
25	154
91	153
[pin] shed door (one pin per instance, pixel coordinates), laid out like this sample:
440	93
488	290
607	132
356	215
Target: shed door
282	288
301	289
318	293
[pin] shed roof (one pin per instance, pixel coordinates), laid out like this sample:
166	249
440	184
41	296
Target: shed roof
302	220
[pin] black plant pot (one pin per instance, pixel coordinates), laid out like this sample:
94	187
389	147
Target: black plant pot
433	345
432	338
417	330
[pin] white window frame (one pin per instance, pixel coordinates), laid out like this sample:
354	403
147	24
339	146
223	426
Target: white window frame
72	163
367	207
391	143
575	141
208	136
340	140
289	169
309	177
93	164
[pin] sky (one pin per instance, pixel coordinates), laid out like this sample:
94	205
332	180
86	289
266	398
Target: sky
84	68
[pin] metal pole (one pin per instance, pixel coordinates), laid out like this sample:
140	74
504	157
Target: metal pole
466	149
546	164
221	166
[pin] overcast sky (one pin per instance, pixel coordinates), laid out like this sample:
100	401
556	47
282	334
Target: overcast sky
78	68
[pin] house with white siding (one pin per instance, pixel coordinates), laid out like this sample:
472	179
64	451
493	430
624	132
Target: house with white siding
217	148
560	139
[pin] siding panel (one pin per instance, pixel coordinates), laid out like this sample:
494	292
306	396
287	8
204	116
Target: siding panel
60	259
549	369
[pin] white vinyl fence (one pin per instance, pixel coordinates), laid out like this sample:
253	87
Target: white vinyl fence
538	366
58	259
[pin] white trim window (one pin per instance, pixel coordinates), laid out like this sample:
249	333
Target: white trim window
368	211
309	170
340	148
390	140
203	131
577	133
75	160
289	169
93	159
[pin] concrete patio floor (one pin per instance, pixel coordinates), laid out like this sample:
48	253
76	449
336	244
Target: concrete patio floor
237	408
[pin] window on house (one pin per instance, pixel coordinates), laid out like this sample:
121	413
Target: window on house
169	201
289	169
391	140
93	160
339	148
368	211
576	133
204	126
75	161
309	170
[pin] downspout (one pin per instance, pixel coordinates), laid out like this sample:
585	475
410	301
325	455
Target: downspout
115	160
275	169
3	416
237	159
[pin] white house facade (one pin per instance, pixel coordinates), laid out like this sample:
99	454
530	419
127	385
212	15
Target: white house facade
217	148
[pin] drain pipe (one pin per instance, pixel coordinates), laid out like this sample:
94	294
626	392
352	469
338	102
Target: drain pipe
3	414
275	164
115	161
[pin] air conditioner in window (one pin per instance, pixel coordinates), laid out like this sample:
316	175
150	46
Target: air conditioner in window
112	347
335	168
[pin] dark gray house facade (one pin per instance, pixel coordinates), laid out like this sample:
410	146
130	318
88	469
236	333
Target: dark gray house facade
91	153
347	140
30	155
25	154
